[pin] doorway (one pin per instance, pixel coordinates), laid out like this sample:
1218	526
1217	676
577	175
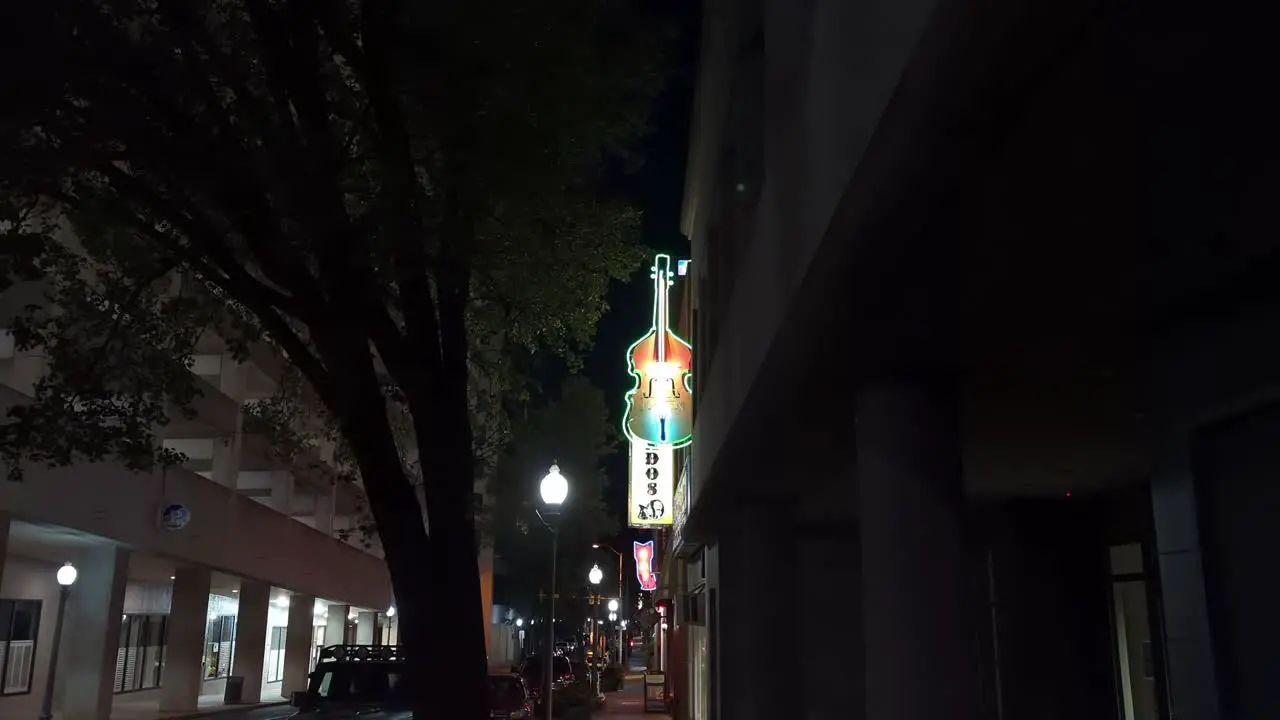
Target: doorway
1134	635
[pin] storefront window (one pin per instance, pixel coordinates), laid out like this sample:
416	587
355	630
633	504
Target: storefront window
219	643
19	625
140	654
275	655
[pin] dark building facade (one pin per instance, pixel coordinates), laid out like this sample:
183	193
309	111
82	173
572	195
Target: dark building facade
987	338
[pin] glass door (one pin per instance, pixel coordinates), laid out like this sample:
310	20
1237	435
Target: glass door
1135	643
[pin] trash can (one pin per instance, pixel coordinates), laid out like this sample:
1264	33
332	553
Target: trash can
234	693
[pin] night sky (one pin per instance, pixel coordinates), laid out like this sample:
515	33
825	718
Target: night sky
657	188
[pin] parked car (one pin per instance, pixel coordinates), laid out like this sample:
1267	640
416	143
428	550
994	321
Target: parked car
509	698
356	680
534	673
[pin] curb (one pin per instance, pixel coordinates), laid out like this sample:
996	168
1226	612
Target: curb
213	712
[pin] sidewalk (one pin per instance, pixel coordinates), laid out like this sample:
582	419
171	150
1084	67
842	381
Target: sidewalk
274	711
629	702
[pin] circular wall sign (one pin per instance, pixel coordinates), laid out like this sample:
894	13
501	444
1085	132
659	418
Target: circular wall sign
175	517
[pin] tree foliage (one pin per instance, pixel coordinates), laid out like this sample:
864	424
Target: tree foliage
574	432
393	197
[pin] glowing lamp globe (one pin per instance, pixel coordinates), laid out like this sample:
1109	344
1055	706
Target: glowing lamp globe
391	611
613	606
67	575
519	622
554	488
596	575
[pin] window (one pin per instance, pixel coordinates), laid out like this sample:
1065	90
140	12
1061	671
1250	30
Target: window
326	685
275	656
19	625
371	682
140	657
220	642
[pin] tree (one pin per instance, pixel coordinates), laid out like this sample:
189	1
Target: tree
574	432
391	195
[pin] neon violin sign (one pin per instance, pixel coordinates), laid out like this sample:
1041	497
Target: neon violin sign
643	553
660	406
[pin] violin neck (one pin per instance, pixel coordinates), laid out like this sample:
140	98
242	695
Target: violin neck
661	282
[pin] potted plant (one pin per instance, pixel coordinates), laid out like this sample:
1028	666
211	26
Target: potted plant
611	679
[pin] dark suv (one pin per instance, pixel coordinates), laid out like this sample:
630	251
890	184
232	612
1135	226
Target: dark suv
357	679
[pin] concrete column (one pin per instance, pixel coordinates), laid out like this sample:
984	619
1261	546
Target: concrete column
297	643
4	543
324	511
922	655
184	669
91	635
27	369
755	567
486	593
366	627
282	492
251	637
1192	673
227	450
335	627
829	634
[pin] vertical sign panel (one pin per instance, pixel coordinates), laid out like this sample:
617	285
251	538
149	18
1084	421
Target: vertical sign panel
651	485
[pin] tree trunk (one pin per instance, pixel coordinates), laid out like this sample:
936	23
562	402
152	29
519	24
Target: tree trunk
407	548
459	660
393	502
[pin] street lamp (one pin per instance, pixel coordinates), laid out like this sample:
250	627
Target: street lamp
595	576
613	606
66	578
621	594
554	489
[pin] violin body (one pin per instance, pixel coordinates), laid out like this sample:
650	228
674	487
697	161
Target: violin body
660	406
662	401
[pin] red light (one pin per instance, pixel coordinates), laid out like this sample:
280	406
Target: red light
1068	493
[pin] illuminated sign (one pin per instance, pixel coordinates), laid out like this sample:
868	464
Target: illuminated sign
651	485
643	552
660	406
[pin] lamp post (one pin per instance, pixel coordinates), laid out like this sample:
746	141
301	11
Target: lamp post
595	576
613	618
621	594
554	489
66	578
